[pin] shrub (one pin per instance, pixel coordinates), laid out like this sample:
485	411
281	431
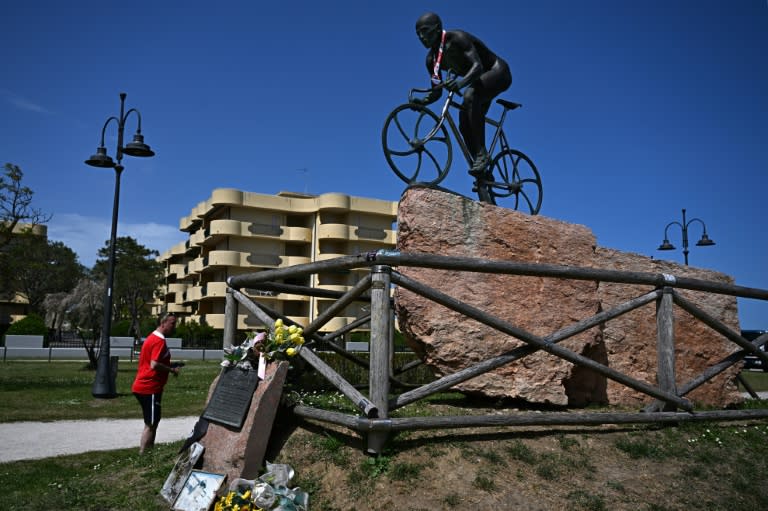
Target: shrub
198	335
121	328
29	325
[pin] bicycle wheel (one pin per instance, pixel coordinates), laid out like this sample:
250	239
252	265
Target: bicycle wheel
414	155
516	180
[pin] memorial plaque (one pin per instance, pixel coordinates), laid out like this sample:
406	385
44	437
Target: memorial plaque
231	397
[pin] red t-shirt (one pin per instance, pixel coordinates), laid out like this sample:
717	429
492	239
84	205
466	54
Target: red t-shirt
149	381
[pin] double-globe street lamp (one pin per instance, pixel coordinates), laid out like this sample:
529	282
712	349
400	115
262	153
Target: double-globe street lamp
104	384
703	242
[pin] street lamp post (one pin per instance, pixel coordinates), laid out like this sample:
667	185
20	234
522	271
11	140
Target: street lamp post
104	384
703	242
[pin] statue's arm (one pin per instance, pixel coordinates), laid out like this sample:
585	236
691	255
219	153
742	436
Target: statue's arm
435	93
471	56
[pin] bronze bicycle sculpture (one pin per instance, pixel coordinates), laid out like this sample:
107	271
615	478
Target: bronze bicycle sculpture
418	148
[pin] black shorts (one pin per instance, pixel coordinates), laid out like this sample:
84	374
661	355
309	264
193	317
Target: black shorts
150	406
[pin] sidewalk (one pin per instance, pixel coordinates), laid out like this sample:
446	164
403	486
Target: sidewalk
37	440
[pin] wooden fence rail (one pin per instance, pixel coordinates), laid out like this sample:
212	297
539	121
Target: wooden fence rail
375	288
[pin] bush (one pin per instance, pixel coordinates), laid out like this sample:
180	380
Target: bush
30	325
196	335
121	328
147	325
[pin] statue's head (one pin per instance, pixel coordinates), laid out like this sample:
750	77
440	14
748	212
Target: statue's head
429	27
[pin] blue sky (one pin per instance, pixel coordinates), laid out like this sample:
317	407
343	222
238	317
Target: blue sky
632	110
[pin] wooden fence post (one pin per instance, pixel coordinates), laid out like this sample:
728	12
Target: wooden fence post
230	319
665	345
378	379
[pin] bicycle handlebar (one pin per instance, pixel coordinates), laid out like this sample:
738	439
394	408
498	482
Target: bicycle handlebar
449	74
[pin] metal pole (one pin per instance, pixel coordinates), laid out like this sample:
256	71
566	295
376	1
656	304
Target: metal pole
104	385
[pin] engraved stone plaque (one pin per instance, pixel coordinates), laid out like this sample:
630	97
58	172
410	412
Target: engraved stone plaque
231	398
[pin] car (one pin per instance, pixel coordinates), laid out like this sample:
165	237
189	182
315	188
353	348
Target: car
750	360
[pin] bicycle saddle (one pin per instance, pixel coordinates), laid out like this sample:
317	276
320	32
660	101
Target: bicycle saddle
508	104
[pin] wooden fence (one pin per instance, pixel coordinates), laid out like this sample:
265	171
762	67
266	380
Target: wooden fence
667	402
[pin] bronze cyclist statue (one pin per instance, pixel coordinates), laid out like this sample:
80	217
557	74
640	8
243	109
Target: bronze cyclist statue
417	141
481	74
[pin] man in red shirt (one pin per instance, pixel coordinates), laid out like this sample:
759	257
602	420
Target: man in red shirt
151	376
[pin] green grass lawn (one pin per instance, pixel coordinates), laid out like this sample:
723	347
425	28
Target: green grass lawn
720	462
48	391
758	380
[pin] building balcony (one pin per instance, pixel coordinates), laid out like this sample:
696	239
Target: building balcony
334	202
186	276
225	196
302	321
177	308
177	250
221	229
326	257
178	298
197	238
214	290
177	288
331	231
176	269
245	321
236	259
293	260
297	234
334	232
193	294
195	266
222	258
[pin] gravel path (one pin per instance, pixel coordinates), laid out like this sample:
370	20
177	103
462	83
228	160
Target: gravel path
36	440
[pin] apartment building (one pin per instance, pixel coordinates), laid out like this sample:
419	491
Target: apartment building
236	232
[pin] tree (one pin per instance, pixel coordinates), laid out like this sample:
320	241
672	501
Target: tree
39	267
16	204
83	306
86	305
55	305
17	220
138	276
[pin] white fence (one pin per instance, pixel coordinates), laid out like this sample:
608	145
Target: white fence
30	347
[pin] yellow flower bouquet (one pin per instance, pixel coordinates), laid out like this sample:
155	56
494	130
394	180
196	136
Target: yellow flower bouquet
281	343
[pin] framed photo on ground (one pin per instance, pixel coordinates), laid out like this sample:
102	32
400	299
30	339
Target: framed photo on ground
178	476
199	491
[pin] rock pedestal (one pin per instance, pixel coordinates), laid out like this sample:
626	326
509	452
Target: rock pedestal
435	222
240	452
